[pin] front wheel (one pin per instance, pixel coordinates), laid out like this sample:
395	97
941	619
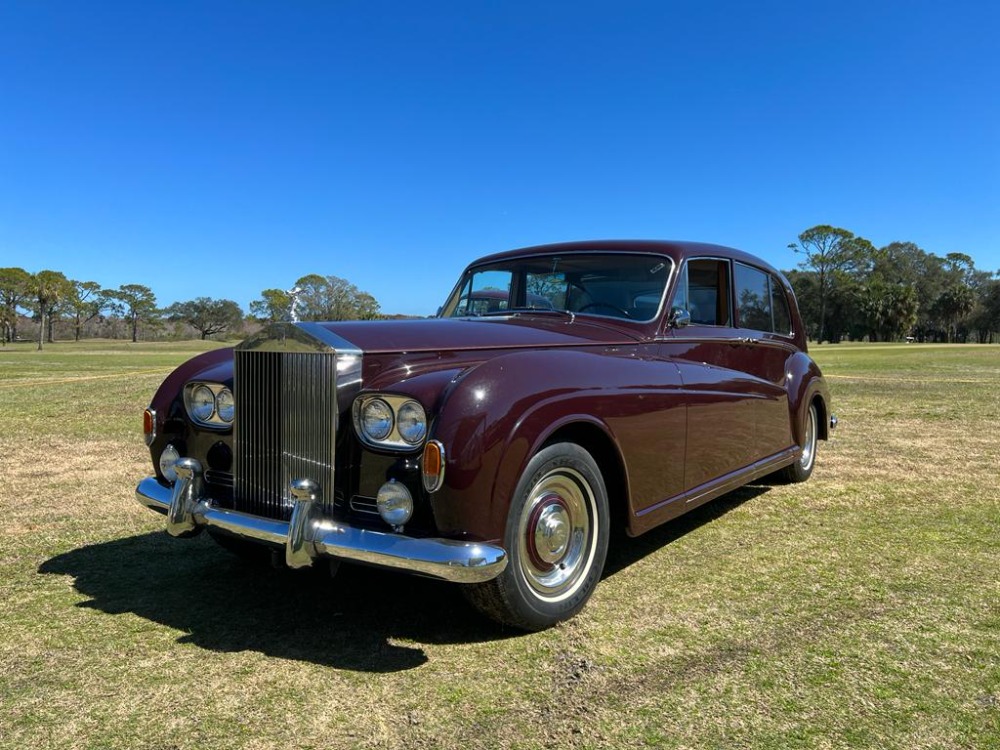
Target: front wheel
557	539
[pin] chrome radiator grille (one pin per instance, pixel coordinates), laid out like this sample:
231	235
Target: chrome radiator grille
285	427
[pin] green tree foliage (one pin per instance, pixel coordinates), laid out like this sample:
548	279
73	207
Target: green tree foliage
209	317
831	253
985	318
15	288
889	293
47	288
86	303
955	302
274	305
135	302
333	298
889	310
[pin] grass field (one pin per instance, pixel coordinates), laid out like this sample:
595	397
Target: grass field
861	609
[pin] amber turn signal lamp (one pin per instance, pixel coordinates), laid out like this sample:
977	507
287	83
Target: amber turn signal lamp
432	466
149	425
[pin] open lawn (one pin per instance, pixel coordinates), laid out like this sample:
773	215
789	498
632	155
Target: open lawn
861	609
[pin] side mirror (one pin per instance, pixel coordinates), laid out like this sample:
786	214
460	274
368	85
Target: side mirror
679	317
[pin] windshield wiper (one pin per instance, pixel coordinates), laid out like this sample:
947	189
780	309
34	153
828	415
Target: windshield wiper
541	311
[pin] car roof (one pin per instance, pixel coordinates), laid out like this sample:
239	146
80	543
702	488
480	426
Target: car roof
678	251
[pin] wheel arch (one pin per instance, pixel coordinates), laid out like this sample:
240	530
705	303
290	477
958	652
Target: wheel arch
605	453
822	416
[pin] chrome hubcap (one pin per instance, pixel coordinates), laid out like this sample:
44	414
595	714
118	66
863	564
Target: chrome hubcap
556	534
551	531
809	446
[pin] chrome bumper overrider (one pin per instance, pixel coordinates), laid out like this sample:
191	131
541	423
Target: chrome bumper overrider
310	534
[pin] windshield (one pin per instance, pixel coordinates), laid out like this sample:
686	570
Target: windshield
613	285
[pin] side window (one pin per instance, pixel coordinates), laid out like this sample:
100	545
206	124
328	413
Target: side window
779	306
707	293
753	298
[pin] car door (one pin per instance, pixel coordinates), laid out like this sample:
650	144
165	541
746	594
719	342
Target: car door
764	325
709	353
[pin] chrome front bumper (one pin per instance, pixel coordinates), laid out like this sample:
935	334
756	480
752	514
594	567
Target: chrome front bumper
310	535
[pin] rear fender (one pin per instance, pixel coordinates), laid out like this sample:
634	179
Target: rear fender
806	384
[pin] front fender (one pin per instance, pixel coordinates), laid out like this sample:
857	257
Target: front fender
496	416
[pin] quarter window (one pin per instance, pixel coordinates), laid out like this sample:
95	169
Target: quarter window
779	307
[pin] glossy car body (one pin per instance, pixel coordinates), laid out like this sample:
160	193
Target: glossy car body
622	383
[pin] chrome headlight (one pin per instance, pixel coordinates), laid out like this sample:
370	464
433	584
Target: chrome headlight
385	420
225	405
395	503
202	403
210	405
167	460
376	419
411	422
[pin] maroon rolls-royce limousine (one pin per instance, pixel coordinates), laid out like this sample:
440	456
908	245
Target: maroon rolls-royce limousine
561	392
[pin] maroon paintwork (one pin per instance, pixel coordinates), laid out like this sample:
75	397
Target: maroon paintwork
673	416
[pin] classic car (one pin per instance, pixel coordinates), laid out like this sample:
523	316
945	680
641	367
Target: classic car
615	386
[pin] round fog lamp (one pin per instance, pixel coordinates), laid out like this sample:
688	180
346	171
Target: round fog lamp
395	504
167	460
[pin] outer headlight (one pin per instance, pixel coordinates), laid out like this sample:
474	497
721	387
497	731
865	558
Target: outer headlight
202	403
225	405
411	422
376	419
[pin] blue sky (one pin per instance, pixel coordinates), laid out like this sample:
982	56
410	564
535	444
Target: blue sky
218	149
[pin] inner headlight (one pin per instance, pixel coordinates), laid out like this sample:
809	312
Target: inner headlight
411	422
376	419
225	405
202	403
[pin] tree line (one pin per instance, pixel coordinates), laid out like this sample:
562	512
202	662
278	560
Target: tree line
849	289
846	288
50	299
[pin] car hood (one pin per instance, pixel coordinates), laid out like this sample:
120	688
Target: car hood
458	334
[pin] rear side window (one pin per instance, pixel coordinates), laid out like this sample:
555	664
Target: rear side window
753	298
761	301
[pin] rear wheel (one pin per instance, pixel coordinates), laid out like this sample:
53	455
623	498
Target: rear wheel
802	469
557	539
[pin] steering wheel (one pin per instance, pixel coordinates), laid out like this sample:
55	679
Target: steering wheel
607	305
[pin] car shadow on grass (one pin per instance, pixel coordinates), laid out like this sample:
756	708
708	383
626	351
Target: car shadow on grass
225	604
